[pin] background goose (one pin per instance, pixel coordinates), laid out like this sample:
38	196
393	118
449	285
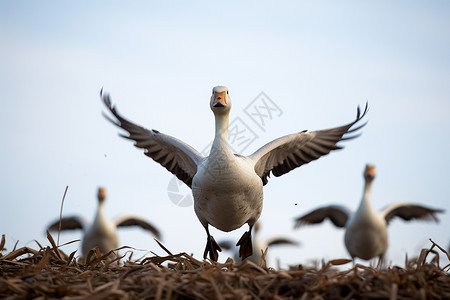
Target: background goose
366	234
227	187
258	245
102	233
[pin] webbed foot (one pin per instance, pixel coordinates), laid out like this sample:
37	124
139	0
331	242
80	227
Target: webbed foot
245	243
211	247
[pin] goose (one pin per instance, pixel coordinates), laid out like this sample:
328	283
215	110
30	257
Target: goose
227	188
259	246
366	233
101	233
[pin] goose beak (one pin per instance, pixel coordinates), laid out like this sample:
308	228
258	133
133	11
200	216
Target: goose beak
220	99
101	194
370	172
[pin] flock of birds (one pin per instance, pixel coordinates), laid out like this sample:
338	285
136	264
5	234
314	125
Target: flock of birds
228	188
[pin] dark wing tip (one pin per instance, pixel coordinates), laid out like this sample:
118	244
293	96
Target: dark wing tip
346	138
366	109
110	119
359	127
299	222
107	100
359	116
434	212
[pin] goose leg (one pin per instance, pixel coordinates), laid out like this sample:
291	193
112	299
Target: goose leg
211	246
380	261
245	243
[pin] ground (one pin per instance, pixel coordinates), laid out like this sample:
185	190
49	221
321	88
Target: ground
46	273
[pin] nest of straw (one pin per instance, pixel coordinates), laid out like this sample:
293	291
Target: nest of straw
46	273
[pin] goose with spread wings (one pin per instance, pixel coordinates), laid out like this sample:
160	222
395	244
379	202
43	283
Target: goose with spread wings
366	233
101	233
228	188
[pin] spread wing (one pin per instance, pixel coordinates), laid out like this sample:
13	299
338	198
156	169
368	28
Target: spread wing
129	220
291	151
69	223
176	156
337	214
408	211
280	241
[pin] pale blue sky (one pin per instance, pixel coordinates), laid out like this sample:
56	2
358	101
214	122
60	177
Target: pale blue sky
316	60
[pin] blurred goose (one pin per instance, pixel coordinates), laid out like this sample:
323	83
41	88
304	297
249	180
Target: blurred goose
228	188
258	245
102	233
366	234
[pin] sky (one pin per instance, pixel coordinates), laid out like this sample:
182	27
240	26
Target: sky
314	62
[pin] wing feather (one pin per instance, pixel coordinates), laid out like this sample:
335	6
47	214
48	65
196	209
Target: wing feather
291	151
176	156
409	211
337	214
281	241
130	220
69	223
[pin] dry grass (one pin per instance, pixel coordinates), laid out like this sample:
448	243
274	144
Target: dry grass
49	273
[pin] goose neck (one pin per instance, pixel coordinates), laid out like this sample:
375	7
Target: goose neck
366	195
222	122
99	213
220	143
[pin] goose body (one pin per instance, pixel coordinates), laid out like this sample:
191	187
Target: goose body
229	185
102	233
228	188
366	234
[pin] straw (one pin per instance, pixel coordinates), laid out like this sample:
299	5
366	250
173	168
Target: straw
48	272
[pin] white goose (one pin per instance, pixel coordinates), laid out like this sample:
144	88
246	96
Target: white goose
366	234
102	233
228	188
259	246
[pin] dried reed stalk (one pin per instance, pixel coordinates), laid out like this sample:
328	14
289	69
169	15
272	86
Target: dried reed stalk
60	213
49	273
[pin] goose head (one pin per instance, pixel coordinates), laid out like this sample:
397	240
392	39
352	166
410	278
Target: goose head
220	100
101	195
369	173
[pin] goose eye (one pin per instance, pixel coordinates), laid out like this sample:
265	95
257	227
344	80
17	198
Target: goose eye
227	92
